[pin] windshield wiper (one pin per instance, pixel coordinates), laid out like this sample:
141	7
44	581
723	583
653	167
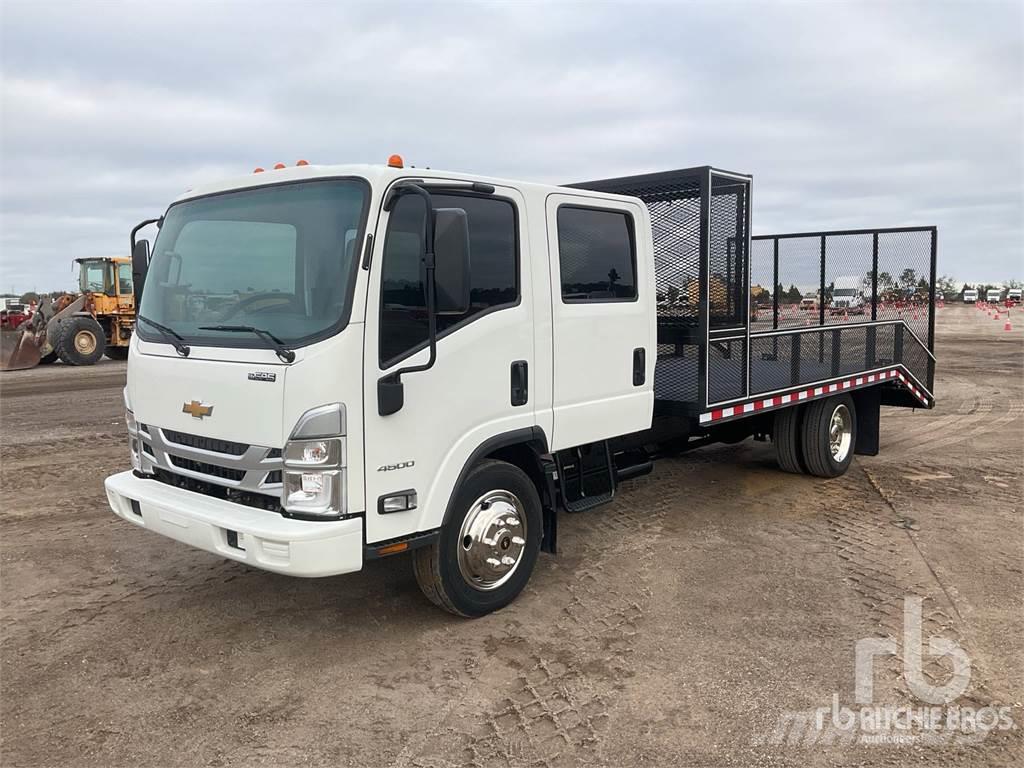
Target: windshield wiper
272	341
175	338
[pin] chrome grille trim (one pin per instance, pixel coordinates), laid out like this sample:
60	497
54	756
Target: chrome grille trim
254	466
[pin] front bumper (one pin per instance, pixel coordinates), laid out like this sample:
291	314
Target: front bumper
271	542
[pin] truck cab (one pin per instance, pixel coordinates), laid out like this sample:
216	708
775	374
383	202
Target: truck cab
847	297
970	296
993	295
343	347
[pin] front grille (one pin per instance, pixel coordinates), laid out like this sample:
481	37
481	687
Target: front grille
201	467
247	498
205	443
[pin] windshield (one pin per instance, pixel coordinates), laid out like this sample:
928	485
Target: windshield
279	258
845	292
93	276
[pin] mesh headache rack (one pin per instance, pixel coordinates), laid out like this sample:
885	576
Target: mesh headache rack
748	322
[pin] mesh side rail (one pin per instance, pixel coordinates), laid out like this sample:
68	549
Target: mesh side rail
829	279
780	361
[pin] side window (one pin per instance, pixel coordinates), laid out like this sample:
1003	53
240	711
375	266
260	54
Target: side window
596	254
494	269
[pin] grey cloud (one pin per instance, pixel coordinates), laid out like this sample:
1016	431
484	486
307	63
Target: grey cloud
852	114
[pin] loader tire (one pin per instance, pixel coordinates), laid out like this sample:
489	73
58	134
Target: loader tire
829	435
486	552
117	353
82	341
786	437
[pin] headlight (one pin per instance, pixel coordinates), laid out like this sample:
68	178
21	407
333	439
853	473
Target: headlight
313	480
313	453
313	475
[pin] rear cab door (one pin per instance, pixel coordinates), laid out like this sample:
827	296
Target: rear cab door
603	317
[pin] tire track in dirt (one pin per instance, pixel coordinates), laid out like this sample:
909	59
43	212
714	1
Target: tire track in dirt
883	565
556	709
1013	411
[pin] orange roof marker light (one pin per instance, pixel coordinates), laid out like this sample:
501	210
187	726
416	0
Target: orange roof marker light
279	166
303	162
395	161
257	170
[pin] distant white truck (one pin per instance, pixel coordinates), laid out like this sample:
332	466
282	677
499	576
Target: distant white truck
970	296
847	296
994	296
1014	295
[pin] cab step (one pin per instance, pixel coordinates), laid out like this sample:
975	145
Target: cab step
586	476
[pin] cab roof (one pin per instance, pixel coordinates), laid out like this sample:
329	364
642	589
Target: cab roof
379	176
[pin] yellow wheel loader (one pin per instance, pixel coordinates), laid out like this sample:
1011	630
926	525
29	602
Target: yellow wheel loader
78	328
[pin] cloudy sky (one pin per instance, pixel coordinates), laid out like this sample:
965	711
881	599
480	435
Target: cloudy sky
848	114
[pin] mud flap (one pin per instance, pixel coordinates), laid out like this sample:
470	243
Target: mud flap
868	403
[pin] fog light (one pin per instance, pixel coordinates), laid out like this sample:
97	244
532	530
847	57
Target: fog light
312	483
314	493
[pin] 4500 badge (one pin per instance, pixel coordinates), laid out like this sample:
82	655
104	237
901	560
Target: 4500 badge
392	467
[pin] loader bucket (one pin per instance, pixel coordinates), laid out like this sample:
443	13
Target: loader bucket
18	350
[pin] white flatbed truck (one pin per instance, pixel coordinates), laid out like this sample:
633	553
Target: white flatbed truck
334	364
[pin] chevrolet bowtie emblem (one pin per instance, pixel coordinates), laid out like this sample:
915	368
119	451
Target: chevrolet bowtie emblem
197	410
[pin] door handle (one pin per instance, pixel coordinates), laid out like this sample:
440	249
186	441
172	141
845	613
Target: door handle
520	383
639	367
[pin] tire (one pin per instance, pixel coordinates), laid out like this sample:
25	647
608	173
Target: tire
786	437
82	341
117	353
829	435
456	577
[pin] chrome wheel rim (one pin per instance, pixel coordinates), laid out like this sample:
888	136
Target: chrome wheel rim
492	540
85	342
840	433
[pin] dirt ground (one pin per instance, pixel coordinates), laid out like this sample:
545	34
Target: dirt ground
688	623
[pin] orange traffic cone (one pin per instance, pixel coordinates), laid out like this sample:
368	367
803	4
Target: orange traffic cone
1007	326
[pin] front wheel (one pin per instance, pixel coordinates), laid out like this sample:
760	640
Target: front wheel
82	341
487	550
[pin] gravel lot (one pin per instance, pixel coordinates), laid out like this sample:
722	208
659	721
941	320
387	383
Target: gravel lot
676	627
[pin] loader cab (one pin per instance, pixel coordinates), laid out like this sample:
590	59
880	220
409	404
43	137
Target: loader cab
96	276
109	282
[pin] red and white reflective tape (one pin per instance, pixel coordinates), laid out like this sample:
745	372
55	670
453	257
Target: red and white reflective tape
812	393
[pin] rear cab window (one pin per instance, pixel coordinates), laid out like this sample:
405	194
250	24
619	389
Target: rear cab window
596	254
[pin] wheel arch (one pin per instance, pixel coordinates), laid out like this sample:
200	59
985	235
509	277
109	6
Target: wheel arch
524	448
520	447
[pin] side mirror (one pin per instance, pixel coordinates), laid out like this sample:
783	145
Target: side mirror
451	261
140	265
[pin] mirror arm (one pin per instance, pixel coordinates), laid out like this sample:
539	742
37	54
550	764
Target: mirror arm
140	225
390	397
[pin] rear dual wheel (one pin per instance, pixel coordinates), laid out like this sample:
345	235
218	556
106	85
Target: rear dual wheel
818	438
